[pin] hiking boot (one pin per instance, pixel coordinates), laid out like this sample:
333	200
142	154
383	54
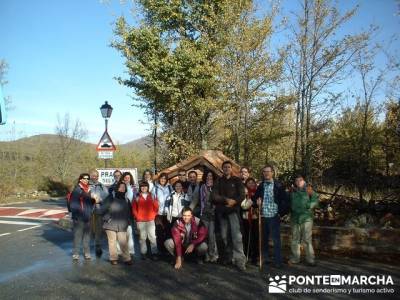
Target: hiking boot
114	262
226	261
311	263
75	257
129	262
241	266
292	262
213	259
154	257
278	265
87	257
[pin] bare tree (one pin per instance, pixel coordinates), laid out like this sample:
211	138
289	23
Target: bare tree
69	135
317	60
3	81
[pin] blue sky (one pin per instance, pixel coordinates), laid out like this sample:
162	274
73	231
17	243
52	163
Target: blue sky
60	62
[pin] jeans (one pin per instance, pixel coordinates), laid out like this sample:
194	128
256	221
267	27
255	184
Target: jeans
200	250
98	230
272	228
120	237
236	249
250	233
212	241
162	233
302	233
147	230
81	231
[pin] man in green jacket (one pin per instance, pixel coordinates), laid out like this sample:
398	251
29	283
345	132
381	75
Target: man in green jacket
303	200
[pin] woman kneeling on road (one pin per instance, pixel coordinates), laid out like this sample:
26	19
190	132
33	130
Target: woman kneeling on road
117	216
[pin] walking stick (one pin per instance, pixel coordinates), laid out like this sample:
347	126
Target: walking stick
259	238
249	219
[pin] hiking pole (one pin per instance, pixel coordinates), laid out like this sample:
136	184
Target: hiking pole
249	219
259	238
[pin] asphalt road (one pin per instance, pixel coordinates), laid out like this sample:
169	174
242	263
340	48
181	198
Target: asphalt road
36	263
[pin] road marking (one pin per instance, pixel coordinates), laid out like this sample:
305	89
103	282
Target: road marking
31	211
16	207
18	223
36	226
7	233
30	218
54	212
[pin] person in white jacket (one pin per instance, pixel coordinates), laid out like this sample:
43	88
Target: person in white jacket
130	195
175	202
148	177
162	189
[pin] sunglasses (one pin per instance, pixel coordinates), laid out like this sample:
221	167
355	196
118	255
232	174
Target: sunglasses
87	178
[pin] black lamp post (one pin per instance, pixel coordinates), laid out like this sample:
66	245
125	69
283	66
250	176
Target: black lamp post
106	110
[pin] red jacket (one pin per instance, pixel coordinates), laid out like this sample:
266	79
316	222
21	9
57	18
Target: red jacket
144	210
198	234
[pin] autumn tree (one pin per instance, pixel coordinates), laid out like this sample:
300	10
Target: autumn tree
250	70
319	58
391	132
171	57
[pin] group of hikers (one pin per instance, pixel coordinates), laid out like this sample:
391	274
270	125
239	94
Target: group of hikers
184	218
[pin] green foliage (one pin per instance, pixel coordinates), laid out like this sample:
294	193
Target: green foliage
172	61
347	151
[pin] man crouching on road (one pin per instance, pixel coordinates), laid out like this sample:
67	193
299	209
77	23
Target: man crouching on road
188	235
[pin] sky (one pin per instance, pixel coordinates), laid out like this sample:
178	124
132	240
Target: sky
60	62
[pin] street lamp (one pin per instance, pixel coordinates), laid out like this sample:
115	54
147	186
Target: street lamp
106	110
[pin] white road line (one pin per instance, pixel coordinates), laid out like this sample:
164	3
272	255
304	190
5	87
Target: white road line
30	218
18	223
7	233
36	226
31	211
15	207
54	212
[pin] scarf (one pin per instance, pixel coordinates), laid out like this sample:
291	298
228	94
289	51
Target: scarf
250	194
85	188
204	190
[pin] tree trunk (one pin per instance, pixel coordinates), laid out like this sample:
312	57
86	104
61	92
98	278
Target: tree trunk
155	117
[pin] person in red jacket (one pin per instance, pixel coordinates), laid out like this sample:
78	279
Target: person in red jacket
188	235
144	210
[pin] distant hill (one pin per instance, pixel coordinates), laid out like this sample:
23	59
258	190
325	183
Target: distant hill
31	145
142	144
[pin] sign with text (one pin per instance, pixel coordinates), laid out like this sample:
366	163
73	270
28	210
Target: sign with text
105	154
106	176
